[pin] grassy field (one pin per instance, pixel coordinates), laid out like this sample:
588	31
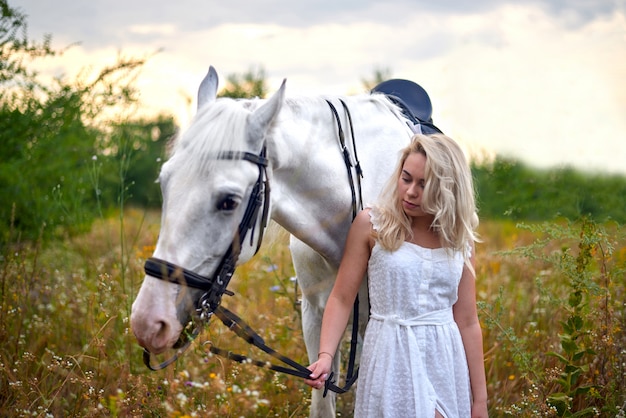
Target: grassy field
551	301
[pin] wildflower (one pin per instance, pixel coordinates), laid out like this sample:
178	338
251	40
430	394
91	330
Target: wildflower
182	399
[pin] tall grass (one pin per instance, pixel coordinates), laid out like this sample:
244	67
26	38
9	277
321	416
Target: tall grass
551	302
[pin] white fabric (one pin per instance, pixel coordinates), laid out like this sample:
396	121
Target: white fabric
413	360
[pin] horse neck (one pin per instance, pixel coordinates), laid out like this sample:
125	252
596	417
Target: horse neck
311	195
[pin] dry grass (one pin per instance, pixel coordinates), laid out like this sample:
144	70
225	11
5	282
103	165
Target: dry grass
67	349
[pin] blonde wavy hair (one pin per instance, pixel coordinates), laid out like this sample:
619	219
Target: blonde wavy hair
448	195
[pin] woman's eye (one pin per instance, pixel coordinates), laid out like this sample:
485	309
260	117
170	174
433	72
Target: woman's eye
227	204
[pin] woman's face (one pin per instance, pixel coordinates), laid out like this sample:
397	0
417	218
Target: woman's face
411	184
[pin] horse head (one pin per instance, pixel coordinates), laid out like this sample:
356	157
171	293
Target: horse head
212	173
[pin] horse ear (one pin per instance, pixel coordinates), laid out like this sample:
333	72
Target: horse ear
260	119
207	92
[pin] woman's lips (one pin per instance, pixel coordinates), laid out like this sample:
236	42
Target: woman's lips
409	205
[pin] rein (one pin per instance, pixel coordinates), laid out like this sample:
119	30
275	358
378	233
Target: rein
215	287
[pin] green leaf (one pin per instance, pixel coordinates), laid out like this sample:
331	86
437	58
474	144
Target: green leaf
559	356
577	322
569	346
575	299
560	401
567	327
572	368
583	389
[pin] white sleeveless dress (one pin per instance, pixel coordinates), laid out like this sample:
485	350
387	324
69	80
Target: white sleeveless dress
413	361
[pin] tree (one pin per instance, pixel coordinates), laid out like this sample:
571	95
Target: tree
135	161
16	49
248	85
380	75
58	138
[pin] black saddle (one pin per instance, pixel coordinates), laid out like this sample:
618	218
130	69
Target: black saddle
412	100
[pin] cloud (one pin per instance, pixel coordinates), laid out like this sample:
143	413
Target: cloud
153	30
549	96
97	23
532	79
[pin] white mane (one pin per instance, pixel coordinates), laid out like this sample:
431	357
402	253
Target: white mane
215	128
304	104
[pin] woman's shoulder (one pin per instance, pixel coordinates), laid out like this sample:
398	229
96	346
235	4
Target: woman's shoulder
363	218
371	214
362	226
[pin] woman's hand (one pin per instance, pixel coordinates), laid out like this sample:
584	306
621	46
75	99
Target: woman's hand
320	370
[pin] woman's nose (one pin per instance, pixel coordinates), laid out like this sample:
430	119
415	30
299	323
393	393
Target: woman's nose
413	190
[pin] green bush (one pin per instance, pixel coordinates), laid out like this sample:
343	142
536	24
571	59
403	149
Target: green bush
508	189
70	151
44	165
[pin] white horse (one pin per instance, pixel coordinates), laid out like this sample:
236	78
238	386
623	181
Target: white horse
204	198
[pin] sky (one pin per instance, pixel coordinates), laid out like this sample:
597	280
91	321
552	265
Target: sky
536	80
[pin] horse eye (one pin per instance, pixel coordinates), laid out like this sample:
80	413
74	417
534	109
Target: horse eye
227	204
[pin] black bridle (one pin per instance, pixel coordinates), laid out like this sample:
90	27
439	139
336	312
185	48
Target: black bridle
214	288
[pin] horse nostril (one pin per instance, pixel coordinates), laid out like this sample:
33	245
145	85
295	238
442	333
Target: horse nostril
153	335
161	336
162	329
153	318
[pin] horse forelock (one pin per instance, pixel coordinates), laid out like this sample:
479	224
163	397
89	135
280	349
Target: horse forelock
218	127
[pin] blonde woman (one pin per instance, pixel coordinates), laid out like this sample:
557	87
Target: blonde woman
423	353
